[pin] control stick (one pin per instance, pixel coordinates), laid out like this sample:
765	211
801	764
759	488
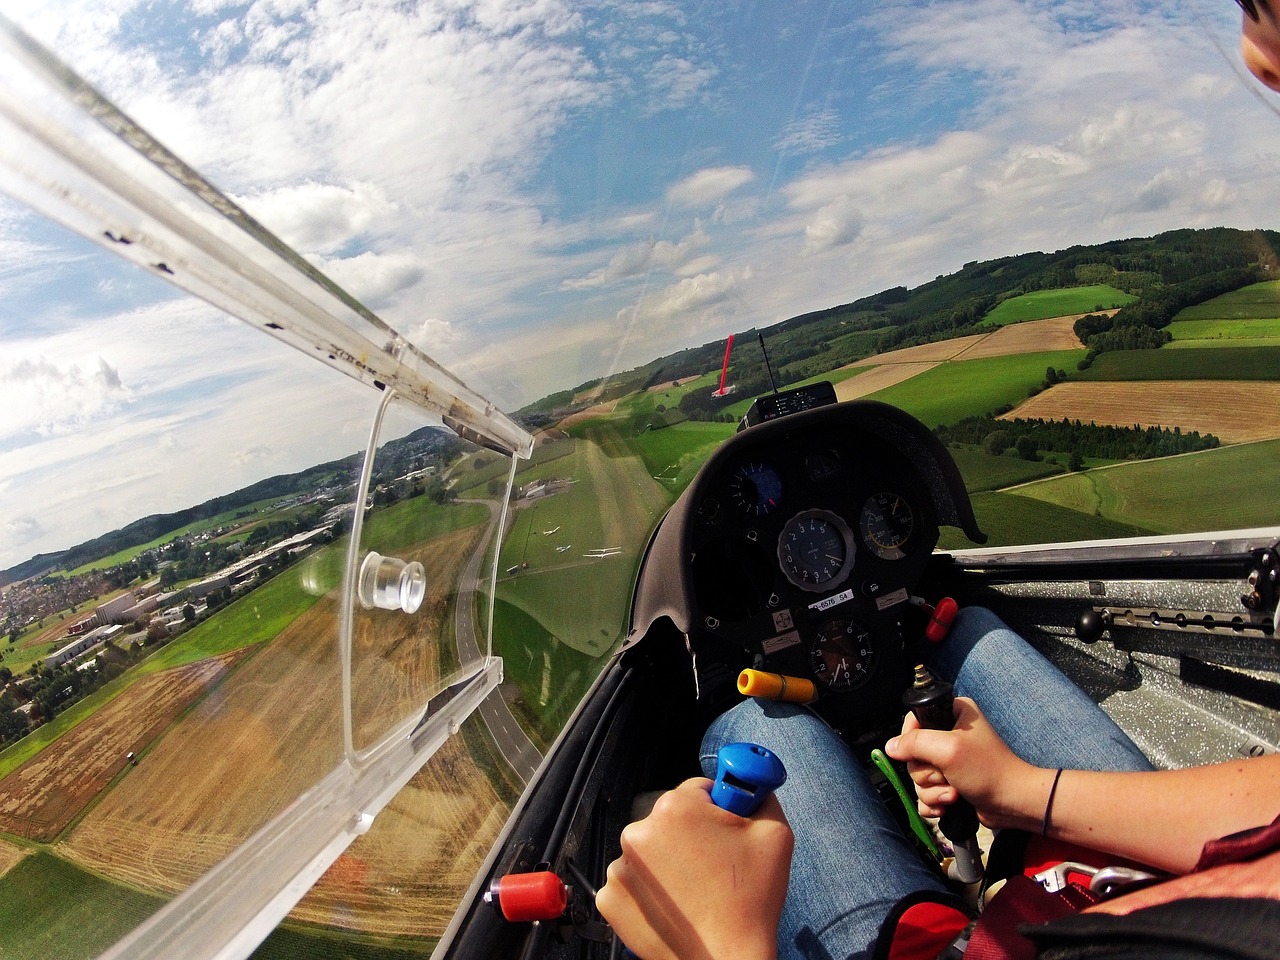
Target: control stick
746	773
931	699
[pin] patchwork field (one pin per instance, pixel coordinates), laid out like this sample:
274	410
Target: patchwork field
40	798
1233	412
11	855
271	731
404	878
953	391
925	352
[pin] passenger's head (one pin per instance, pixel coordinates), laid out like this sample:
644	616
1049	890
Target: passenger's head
1260	41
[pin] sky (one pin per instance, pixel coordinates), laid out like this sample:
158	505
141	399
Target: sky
539	193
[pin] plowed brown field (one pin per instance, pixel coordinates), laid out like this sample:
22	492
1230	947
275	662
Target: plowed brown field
45	794
273	729
1233	411
1033	336
877	378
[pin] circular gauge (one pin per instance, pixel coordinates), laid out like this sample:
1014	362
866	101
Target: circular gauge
842	655
886	524
755	488
815	549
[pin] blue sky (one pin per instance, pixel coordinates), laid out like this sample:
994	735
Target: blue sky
541	192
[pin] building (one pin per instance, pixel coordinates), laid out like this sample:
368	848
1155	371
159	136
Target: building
82	644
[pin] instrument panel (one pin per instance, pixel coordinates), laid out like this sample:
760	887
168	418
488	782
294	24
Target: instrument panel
804	550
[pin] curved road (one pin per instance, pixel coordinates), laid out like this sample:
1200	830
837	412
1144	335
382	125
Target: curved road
516	747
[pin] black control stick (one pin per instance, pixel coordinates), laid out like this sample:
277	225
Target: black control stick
931	699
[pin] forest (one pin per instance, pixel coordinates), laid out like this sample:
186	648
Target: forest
1071	437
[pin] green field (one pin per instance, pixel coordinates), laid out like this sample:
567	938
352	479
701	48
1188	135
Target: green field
648	401
982	471
1063	302
1223	343
674	454
50	908
953	391
1210	490
1258	301
552	676
1009	520
1223	363
1264	329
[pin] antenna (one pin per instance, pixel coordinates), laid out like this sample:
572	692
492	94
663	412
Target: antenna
763	349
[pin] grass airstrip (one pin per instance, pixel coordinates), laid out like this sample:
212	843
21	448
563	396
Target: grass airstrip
560	613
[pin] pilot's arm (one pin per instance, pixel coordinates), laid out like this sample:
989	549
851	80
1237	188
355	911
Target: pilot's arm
695	882
1162	818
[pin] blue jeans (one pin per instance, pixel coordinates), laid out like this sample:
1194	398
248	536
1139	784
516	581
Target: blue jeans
851	863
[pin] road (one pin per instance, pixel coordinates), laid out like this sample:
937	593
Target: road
510	737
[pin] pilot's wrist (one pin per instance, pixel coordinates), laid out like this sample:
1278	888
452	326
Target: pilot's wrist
1021	805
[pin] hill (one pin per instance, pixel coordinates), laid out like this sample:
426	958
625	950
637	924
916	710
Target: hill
394	458
1136	271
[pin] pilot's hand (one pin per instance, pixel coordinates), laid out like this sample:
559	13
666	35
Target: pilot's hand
970	761
695	882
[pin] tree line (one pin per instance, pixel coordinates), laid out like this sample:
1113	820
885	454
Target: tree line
1138	326
1074	438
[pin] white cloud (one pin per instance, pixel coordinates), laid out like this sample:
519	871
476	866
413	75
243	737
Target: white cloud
640	258
834	225
708	186
321	217
411	149
375	278
810	134
47	397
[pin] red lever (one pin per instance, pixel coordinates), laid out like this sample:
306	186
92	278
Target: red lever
943	616
524	897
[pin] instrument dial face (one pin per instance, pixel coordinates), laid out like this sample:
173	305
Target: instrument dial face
842	656
815	550
886	525
755	488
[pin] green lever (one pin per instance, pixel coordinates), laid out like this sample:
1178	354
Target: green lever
918	826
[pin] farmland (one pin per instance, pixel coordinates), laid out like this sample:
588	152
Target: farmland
277	736
1058	303
1234	412
1190	363
1210	490
40	798
952	391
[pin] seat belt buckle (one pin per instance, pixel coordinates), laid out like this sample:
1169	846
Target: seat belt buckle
1104	882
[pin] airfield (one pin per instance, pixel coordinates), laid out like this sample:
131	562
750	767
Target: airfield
235	719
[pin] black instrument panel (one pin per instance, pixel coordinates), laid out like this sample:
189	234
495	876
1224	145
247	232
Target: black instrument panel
804	550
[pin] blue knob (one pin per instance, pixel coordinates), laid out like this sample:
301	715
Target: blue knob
746	773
